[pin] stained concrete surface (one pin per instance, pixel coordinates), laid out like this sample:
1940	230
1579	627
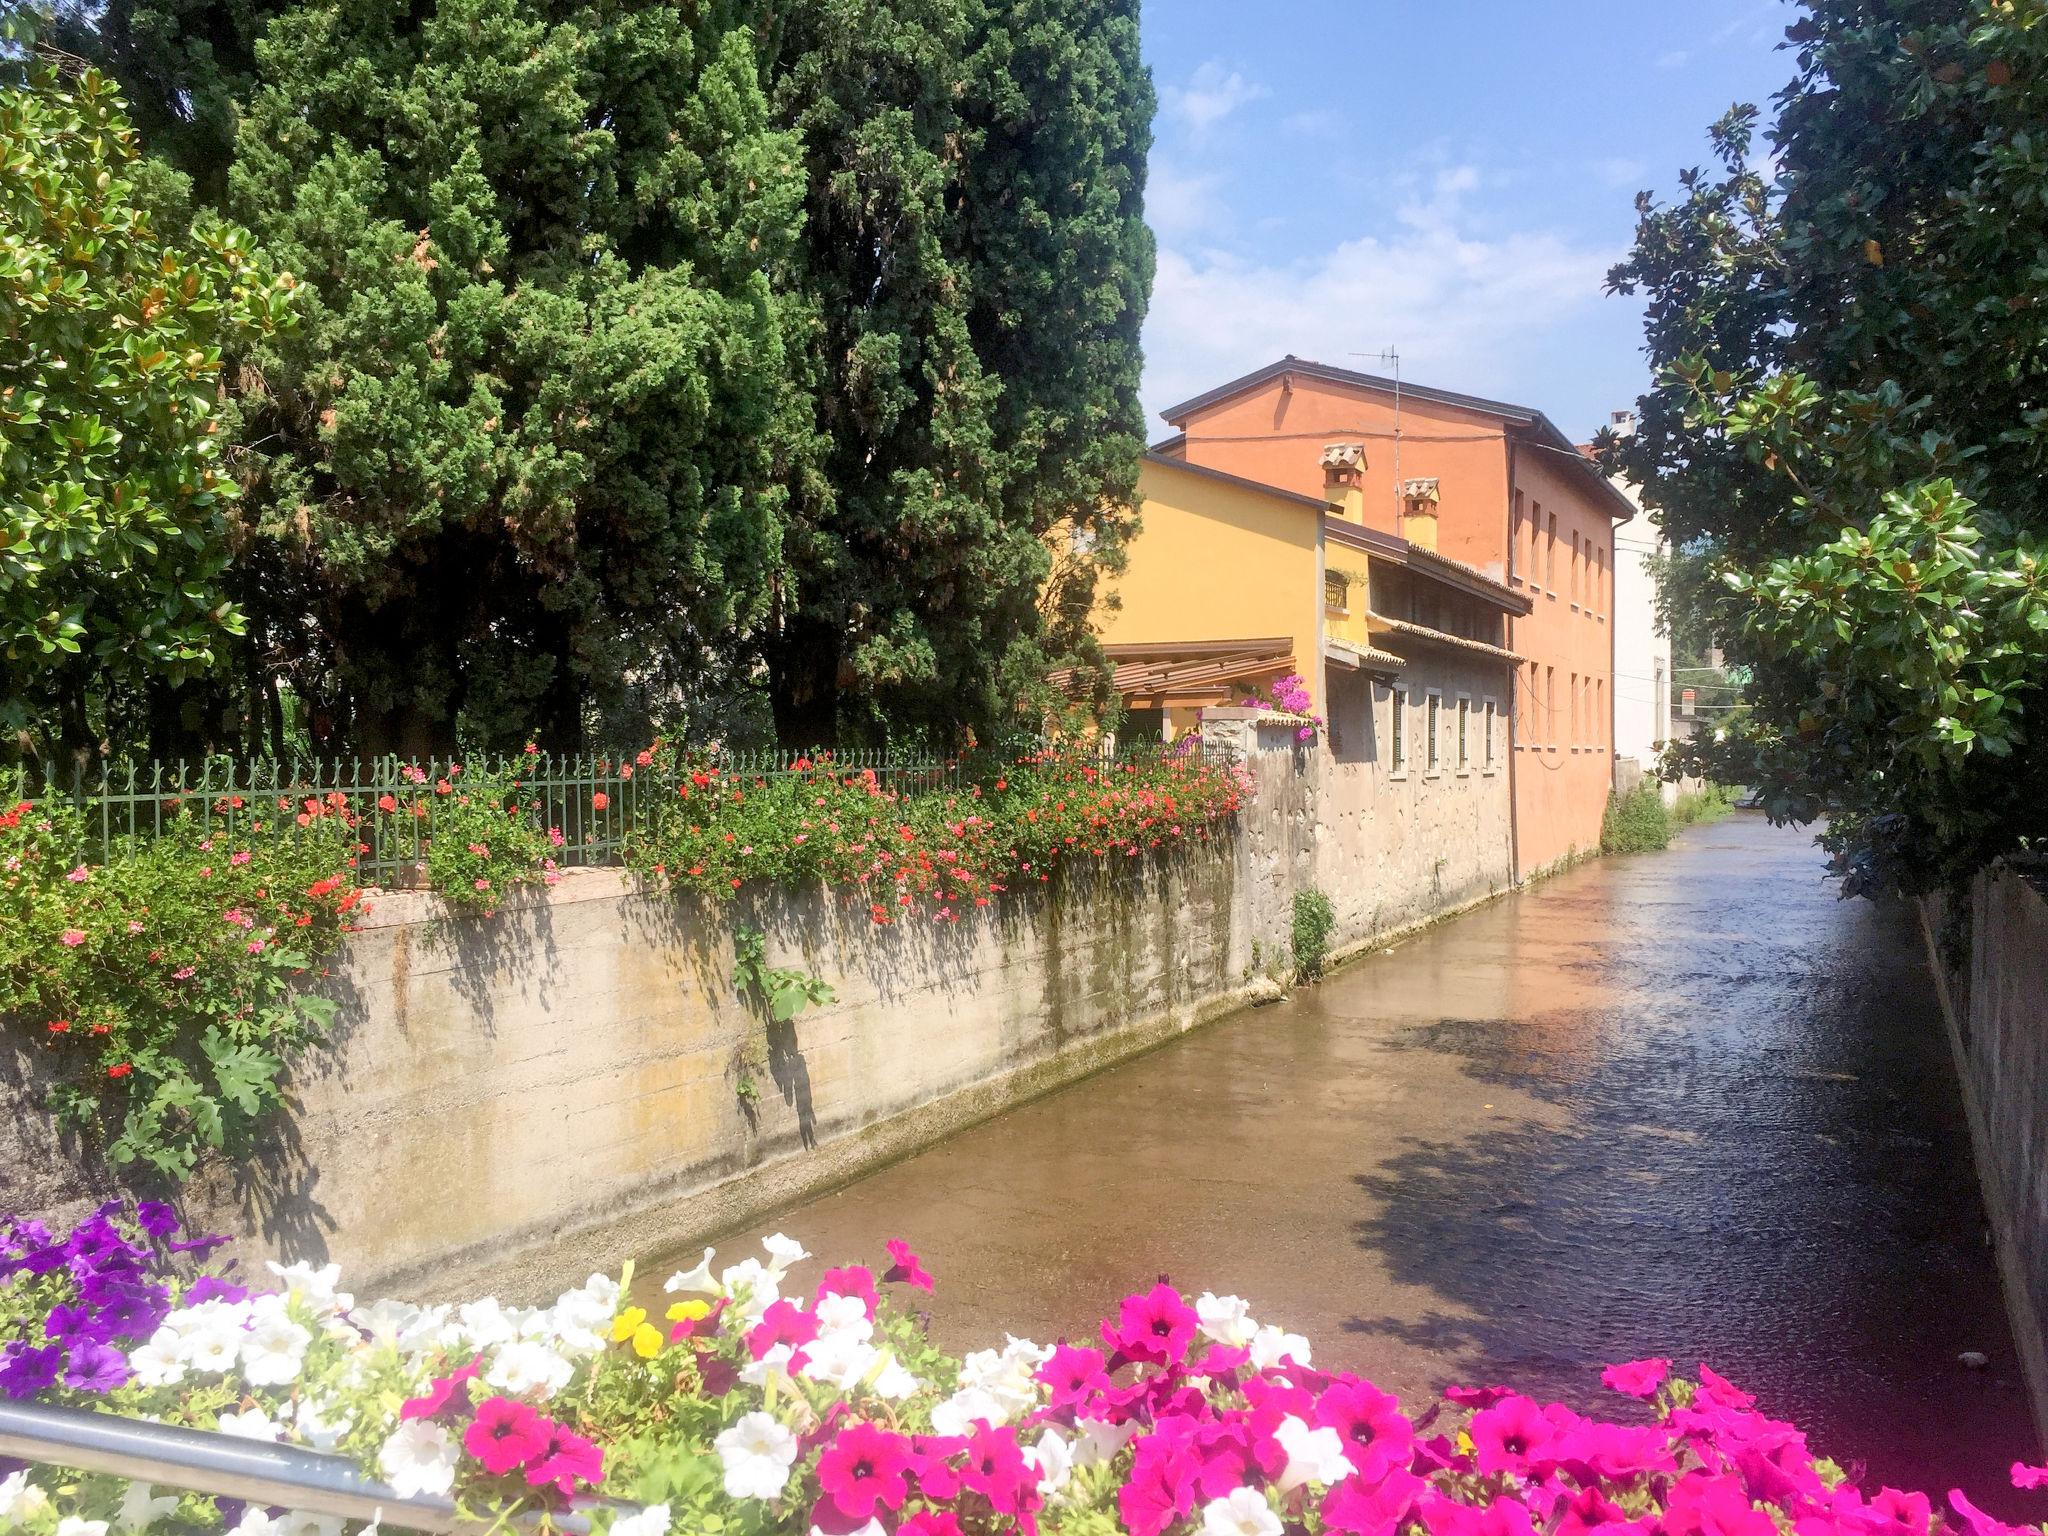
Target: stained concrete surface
1685	1104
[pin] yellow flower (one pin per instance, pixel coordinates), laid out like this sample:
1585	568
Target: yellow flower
626	1322
647	1341
689	1311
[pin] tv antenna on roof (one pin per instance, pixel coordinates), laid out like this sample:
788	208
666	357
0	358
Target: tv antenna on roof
1391	359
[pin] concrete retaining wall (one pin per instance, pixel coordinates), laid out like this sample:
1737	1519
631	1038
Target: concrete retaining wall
513	1102
1991	966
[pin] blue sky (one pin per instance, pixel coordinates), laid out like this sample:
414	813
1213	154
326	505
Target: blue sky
1451	178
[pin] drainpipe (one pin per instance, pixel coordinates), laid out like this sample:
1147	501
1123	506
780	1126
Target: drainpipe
1507	513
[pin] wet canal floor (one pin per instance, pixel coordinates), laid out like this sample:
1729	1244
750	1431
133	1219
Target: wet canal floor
1684	1103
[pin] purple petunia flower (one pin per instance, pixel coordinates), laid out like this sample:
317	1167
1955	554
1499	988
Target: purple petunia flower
200	1245
26	1369
212	1287
96	1367
67	1325
156	1218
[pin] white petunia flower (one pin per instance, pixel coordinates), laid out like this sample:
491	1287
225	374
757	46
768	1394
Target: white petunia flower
757	1453
1241	1512
783	1252
256	1522
698	1279
386	1321
158	1363
771	1369
1271	1347
874	1527
1054	1460
893	1383
20	1499
838	1314
419	1458
212	1347
313	1288
651	1521
321	1425
522	1367
250	1424
274	1352
1098	1440
841	1361
1313	1455
1226	1319
297	1522
71	1525
752	1285
141	1505
956	1415
486	1324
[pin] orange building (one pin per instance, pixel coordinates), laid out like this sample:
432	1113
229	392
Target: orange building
1514	500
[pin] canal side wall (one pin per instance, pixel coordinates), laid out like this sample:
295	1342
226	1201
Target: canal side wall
1989	963
509	1104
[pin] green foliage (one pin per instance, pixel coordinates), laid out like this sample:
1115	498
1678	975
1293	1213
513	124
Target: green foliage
1314	921
653	353
114	487
1848	427
1710	803
169	988
782	991
485	841
1636	822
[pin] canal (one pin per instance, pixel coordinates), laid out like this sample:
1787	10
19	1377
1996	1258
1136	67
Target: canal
1685	1103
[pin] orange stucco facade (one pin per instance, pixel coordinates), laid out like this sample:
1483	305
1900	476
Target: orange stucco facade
1515	501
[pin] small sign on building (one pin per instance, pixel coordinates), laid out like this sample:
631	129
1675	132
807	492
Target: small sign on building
1686	699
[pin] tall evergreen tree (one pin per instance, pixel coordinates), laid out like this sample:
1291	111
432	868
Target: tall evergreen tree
974	267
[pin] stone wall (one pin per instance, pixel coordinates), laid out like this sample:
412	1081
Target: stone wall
512	1102
1989	963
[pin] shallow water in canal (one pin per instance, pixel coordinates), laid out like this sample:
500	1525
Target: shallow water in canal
1684	1103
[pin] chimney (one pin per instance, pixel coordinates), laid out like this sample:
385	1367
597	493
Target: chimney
1622	423
1344	480
1418	513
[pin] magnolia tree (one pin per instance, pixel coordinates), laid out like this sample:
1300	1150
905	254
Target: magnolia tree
1848	430
114	489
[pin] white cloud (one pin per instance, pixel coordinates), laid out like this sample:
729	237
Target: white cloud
1673	59
1210	96
1319	123
1180	203
1621	171
1466	310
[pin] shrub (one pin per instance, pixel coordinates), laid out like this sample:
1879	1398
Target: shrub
1636	822
743	1409
1710	803
167	988
1314	919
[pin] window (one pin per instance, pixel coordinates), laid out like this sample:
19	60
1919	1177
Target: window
1530	733
1432	720
1464	734
1575	711
1398	736
1081	540
1550	558
1492	711
1515	540
1335	590
1550	706
1600	712
1600	579
1574	572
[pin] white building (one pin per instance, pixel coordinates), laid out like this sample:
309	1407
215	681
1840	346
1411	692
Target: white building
1642	650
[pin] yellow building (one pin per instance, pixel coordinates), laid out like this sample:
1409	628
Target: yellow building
1232	584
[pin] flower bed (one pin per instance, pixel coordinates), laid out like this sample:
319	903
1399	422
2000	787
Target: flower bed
757	1403
168	987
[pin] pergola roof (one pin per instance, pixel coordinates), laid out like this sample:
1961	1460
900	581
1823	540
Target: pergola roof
1190	668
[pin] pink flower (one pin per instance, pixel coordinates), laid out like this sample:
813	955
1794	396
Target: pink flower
239	857
854	1280
906	1268
1509	1436
133	926
1371	1509
1377	1436
439	1392
182	973
1155	1327
79	875
72	937
1718	1391
1702	1504
1637	1378
505	1435
566	1460
255	946
996	1469
783	1323
2024	1476
865	1465
1072	1375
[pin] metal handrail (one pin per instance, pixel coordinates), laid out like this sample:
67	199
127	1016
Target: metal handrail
205	1461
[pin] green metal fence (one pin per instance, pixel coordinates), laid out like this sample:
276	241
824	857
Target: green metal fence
593	802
